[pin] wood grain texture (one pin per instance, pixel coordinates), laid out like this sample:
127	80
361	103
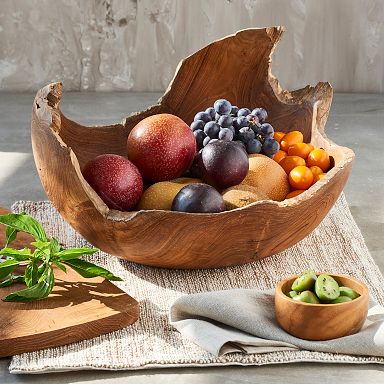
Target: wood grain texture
184	240
77	309
321	321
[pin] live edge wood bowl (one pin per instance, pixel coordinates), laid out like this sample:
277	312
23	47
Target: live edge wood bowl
321	321
237	68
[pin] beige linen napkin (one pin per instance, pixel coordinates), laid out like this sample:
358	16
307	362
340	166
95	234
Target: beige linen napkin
243	320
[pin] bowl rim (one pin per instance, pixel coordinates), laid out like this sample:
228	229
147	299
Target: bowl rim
282	296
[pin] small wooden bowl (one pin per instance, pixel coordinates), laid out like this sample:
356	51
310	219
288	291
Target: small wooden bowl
62	147
321	321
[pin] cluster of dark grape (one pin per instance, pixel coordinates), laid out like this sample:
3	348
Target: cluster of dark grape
224	121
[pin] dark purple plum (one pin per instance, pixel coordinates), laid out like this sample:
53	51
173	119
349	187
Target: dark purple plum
198	198
223	164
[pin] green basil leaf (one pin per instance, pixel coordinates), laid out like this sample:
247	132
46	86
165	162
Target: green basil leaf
17	254
6	283
31	274
87	269
41	244
10	235
7	267
24	223
39	291
55	247
11	280
60	265
69	254
41	269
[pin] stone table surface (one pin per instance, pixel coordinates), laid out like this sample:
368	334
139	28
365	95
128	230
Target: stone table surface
355	121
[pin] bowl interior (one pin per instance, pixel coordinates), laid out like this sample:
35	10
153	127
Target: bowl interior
89	142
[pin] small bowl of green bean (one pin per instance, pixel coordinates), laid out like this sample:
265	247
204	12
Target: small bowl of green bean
321	306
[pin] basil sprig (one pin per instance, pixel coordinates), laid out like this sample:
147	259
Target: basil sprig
38	262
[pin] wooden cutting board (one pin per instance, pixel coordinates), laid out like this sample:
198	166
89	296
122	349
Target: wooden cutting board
77	309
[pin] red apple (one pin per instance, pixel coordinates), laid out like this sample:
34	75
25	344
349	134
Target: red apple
162	147
116	180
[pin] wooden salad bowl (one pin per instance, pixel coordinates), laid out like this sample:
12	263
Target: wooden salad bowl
237	68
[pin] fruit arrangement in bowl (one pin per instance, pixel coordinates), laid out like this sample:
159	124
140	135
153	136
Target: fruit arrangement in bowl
194	181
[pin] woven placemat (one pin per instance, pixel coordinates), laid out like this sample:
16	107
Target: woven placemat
335	246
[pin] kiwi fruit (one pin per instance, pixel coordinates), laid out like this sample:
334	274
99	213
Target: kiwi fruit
267	176
160	195
241	195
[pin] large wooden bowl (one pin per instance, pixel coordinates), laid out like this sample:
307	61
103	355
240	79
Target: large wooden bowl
321	321
237	68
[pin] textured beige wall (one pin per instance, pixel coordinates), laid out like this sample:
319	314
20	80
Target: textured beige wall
136	45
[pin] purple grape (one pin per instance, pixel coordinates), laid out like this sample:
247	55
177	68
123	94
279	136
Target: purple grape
233	130
253	146
213	140
240	122
199	136
243	112
198	124
246	134
225	121
225	134
235	124
253	119
256	129
212	129
270	146
261	113
266	130
234	110
202	116
222	106
206	141
211	112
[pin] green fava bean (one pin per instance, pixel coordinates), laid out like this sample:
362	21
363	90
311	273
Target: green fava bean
305	281
307	297
348	292
326	288
341	299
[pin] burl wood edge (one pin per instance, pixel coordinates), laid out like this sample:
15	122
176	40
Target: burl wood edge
242	74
